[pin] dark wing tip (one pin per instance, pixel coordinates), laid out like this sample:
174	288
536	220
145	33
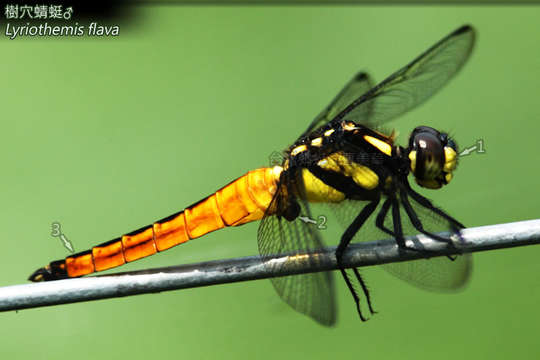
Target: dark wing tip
329	322
463	29
361	76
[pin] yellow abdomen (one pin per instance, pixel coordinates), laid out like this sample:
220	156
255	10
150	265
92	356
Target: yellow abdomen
243	200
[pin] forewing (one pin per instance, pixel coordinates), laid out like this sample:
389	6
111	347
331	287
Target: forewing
356	87
312	294
414	83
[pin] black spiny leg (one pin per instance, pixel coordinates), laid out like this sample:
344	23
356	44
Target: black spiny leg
398	229
364	289
379	221
427	204
416	221
418	224
345	240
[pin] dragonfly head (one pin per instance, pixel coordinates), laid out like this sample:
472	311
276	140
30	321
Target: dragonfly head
433	157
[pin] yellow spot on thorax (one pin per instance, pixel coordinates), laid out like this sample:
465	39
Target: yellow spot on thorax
329	132
317	191
383	146
297	150
316	142
365	177
361	175
349	126
332	162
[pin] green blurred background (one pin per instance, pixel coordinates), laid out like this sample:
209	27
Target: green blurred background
107	135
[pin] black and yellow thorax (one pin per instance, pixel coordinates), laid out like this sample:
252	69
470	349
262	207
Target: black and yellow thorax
344	160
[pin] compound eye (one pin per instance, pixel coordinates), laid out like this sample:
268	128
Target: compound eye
429	156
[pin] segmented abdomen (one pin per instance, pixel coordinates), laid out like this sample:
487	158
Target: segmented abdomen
241	201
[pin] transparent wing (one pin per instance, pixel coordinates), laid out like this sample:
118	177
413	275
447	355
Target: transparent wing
414	83
438	273
311	294
435	274
356	87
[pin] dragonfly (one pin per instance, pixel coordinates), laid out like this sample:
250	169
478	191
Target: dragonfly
345	161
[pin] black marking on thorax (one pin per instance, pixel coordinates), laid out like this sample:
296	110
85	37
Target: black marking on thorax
347	138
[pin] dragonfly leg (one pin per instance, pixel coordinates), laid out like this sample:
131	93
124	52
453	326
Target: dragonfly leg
364	289
398	229
427	204
418	224
345	240
379	221
353	293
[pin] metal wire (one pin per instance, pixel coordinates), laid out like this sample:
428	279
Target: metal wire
251	268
